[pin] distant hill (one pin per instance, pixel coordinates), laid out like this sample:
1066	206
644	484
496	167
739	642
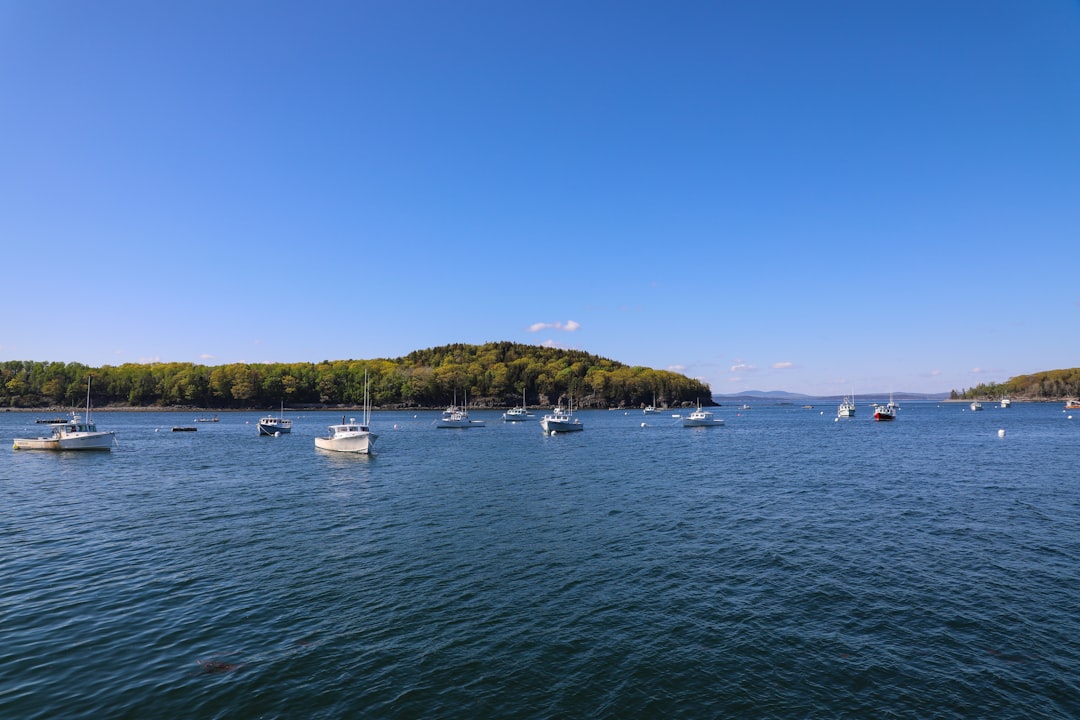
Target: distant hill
1046	385
784	396
495	374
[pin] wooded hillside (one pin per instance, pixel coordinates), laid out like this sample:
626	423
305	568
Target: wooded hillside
494	374
1047	385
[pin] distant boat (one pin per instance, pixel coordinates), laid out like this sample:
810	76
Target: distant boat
458	417
279	425
184	429
560	420
73	434
701	418
1005	402
351	437
1072	404
207	419
650	409
976	406
847	407
886	412
517	414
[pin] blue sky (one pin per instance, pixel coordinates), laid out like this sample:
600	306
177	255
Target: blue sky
778	195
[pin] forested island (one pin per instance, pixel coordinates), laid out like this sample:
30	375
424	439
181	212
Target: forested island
1049	385
494	375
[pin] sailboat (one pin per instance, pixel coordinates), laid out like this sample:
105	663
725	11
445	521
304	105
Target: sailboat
73	434
351	437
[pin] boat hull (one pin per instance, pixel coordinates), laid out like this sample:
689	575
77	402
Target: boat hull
711	422
562	426
78	441
360	443
883	417
516	415
454	424
274	428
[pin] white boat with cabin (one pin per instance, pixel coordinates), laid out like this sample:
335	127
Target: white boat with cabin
73	434
279	425
517	414
351	437
976	406
1005	402
560	420
457	417
701	418
847	407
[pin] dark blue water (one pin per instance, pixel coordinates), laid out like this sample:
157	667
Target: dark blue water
786	565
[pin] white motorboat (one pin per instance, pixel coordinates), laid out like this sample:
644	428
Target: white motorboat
518	414
279	425
847	407
560	420
651	409
351	437
701	418
73	434
1005	402
457	417
976	406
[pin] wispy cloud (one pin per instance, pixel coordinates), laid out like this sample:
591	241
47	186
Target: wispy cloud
784	365
206	356
742	367
568	326
677	368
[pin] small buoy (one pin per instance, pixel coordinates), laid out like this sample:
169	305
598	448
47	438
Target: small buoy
552	433
822	412
836	419
395	426
643	425
1070	417
277	433
1001	432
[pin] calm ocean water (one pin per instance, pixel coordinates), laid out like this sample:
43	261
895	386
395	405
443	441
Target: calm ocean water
785	565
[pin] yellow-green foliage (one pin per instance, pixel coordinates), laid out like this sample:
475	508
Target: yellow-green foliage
491	374
1046	385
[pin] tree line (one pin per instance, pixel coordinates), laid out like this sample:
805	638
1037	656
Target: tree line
492	375
1046	385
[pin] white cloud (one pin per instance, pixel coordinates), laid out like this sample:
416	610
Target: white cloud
206	356
783	365
742	367
677	368
568	326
